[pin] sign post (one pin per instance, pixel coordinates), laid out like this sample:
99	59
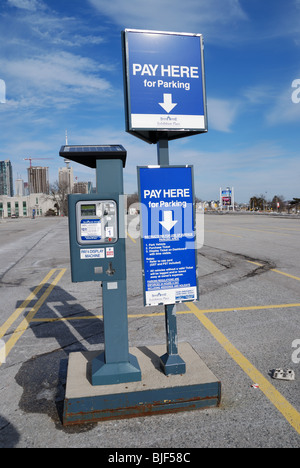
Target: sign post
227	198
168	245
165	99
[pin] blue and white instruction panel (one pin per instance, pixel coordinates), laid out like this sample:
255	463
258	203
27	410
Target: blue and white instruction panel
168	234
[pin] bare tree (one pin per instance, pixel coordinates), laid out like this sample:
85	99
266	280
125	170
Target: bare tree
59	192
257	203
131	199
277	203
295	203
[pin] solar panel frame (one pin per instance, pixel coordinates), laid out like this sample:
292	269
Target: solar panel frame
87	155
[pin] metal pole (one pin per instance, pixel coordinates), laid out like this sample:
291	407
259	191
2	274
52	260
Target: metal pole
171	362
115	364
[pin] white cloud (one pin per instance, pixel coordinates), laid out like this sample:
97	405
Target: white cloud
30	5
197	16
222	114
259	94
39	25
53	78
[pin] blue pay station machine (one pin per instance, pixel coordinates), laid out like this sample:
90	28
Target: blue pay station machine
97	251
95	244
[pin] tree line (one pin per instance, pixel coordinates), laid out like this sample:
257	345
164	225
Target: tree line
59	194
278	203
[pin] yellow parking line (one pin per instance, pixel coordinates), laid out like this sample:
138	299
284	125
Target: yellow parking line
133	240
19	310
162	314
286	274
66	319
276	271
275	397
222	232
26	321
285	408
92	317
258	307
269	231
255	263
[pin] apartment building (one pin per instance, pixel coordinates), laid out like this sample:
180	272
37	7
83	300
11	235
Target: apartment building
6	178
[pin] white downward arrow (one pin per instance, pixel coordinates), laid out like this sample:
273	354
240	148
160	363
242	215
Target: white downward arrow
167	105
168	223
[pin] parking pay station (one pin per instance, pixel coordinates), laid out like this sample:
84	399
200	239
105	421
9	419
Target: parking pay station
165	99
94	237
97	251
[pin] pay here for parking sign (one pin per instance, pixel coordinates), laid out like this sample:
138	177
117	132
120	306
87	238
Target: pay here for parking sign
168	234
165	81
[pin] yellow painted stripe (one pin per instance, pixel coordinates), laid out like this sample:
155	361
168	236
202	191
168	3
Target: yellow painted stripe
255	263
161	314
287	274
66	319
285	408
26	321
92	317
222	232
269	231
259	307
22	307
277	271
133	240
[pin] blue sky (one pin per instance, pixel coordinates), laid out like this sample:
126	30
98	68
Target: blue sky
62	65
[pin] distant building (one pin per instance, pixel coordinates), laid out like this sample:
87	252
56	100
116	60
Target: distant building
82	187
66	177
38	179
20	189
26	188
6	178
36	204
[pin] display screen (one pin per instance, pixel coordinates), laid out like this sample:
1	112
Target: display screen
88	210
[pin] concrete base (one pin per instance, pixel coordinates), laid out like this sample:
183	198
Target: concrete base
156	393
172	364
115	373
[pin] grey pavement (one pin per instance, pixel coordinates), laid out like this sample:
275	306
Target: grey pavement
249	280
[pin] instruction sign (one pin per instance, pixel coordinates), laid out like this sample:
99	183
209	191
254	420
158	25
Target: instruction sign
168	234
90	229
165	86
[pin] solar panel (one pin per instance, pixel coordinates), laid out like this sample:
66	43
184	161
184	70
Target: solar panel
95	149
88	154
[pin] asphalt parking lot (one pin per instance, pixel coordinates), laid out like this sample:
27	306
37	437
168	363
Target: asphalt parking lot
246	323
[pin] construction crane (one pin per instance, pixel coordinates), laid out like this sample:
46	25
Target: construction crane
33	159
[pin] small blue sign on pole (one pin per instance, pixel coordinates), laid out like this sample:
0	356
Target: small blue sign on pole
164	84
168	234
